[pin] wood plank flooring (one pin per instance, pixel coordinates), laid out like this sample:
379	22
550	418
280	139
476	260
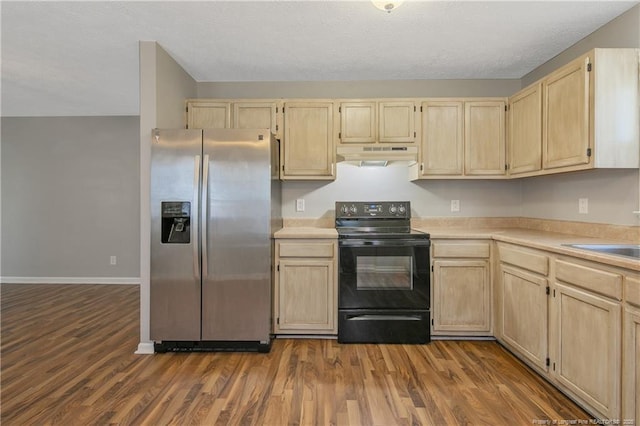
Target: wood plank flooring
67	358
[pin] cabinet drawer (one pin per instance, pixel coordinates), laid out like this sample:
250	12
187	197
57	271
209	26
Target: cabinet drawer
632	290
525	259
596	280
306	249
461	249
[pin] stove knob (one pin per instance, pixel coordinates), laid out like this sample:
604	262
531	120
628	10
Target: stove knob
393	209
344	210
402	209
353	209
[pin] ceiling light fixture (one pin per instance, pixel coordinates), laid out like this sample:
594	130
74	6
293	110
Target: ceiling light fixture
386	6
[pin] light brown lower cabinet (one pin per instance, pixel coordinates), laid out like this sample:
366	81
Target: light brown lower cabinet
631	353
587	348
563	316
305	293
524	319
461	293
522	315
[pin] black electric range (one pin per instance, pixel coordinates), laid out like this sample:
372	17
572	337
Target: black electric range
384	277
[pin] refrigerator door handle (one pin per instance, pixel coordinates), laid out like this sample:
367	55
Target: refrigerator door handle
195	225
205	214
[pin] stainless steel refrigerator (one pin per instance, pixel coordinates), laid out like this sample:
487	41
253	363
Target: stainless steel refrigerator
215	202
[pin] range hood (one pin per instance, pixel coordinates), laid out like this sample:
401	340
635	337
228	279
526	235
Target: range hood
378	155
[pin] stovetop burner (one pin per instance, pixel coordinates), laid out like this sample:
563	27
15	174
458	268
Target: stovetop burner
375	220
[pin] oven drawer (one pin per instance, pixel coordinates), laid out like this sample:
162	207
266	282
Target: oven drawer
379	326
461	249
313	248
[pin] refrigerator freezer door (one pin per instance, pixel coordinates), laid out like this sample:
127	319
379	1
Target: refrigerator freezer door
175	257
236	288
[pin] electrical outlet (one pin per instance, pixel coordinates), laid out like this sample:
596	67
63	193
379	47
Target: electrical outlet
300	205
583	205
455	205
113	260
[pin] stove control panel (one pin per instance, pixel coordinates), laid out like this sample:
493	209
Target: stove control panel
379	209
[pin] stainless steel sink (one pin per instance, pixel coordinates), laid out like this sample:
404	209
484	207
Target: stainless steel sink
627	250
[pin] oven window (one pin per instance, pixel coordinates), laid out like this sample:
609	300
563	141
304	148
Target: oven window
384	272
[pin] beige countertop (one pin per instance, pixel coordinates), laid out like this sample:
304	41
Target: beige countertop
542	240
305	232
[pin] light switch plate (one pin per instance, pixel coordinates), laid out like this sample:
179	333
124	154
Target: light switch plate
583	205
300	205
455	205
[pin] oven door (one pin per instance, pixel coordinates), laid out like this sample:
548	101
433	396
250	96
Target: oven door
390	273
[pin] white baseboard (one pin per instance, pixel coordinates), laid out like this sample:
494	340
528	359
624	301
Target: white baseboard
70	280
145	348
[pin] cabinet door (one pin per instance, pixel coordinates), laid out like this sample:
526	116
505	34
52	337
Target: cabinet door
208	115
484	138
306	296
525	131
587	348
255	115
396	121
461	296
566	116
358	122
308	149
631	357
524	314
631	371
442	138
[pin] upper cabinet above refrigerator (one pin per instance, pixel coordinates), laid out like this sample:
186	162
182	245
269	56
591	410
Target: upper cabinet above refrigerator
235	114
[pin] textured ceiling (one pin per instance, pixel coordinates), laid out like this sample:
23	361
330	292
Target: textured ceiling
81	58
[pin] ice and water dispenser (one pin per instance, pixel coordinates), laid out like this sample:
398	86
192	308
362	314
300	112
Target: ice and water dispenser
176	222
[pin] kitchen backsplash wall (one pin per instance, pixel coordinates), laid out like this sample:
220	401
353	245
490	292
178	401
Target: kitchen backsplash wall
612	195
428	198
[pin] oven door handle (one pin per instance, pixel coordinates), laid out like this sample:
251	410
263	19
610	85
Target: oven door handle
384	243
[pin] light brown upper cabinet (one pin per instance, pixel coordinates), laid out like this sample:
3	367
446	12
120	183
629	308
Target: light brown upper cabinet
366	121
462	138
237	114
484	138
308	149
257	115
566	115
525	130
396	122
590	112
203	114
442	150
358	122
583	115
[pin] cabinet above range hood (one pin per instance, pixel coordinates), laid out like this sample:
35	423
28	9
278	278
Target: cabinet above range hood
378	155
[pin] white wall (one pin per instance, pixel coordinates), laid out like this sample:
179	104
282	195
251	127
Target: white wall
164	85
70	199
612	195
428	198
624	31
358	89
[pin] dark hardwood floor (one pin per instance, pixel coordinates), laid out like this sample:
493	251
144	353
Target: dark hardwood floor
67	358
